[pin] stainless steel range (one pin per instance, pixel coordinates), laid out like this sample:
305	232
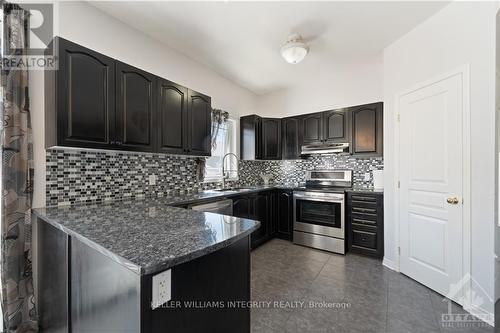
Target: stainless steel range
319	209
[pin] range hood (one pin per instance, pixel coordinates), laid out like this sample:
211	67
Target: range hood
325	148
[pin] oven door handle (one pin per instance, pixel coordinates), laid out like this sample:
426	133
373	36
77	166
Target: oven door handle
298	196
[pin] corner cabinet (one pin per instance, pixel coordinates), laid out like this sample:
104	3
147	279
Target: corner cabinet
260	138
260	206
367	129
135	108
250	137
80	98
94	101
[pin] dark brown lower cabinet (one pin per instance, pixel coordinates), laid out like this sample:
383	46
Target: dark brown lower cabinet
261	206
284	219
365	223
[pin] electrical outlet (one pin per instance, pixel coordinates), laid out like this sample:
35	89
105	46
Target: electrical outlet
152	211
162	289
152	179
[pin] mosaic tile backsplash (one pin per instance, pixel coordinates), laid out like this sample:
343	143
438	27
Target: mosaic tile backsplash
78	176
292	172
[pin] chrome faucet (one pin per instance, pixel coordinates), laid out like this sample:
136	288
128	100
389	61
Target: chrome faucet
225	173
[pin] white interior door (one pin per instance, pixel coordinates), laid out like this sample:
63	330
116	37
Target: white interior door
430	169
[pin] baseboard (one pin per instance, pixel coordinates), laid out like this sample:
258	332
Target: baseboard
484	315
391	264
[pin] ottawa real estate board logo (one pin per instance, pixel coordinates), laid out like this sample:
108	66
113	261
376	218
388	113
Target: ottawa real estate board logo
27	31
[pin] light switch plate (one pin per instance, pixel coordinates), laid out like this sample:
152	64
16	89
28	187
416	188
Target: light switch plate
367	176
152	179
162	289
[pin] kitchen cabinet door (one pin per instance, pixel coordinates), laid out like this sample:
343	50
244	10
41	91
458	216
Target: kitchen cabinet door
285	214
272	214
241	207
80	98
199	124
336	126
290	142
260	211
172	117
250	137
367	129
135	108
271	139
312	128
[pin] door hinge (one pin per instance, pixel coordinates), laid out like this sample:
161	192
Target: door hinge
399	184
399	117
399	250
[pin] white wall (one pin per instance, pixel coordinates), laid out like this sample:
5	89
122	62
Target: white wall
86	25
461	33
335	85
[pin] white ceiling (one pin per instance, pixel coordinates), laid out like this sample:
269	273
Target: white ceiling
241	40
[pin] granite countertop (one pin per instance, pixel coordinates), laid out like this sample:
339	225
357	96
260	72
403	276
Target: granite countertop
147	235
212	195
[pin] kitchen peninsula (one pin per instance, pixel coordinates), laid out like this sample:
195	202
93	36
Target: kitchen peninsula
95	267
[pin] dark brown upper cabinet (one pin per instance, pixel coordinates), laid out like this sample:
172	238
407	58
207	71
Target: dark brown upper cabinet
260	138
336	126
312	128
93	101
290	141
80	98
135	108
172	117
250	137
271	139
200	124
367	129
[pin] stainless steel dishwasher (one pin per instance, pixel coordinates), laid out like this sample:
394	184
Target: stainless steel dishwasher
224	207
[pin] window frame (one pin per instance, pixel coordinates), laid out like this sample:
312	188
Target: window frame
234	148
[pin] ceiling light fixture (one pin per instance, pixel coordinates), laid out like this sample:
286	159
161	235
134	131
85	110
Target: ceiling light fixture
294	50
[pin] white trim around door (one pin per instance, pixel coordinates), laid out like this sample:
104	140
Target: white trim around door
464	72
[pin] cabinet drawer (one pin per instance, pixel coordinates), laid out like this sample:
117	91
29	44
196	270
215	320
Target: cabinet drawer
362	204
364	210
364	239
363	198
362	221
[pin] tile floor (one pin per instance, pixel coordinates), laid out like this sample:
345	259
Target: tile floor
379	299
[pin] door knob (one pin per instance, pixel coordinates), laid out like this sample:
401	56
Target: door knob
452	200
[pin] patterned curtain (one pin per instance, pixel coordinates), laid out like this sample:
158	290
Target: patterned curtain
17	295
219	120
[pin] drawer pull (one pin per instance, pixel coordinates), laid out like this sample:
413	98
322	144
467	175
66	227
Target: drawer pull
361	221
371	199
363	202
364	210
